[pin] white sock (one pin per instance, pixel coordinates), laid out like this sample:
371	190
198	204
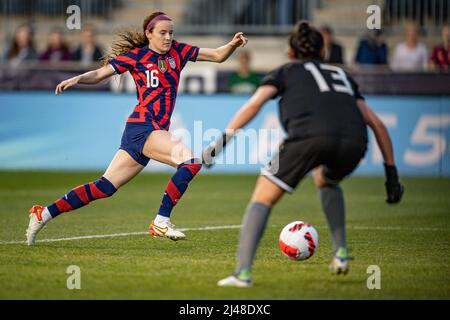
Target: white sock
46	216
161	219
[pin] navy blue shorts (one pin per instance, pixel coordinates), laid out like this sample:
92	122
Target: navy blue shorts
133	140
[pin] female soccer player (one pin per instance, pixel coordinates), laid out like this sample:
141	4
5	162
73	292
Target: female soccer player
155	61
325	117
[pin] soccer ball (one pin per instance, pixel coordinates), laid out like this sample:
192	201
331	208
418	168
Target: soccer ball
299	240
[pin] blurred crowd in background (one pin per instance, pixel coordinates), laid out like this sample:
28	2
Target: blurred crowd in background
404	45
408	55
22	47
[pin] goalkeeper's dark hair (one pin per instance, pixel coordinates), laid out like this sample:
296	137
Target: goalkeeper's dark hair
306	41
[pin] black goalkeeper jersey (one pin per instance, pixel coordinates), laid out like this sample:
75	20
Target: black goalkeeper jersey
317	99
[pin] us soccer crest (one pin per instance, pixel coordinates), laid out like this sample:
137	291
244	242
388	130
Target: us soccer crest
171	62
162	65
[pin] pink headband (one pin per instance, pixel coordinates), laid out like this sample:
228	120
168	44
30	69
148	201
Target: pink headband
161	17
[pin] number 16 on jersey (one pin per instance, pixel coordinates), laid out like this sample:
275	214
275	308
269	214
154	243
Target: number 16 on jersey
152	78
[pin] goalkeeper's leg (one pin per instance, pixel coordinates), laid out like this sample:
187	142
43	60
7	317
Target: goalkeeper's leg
264	197
332	200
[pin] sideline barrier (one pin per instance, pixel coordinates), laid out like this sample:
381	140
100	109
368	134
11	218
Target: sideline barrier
82	131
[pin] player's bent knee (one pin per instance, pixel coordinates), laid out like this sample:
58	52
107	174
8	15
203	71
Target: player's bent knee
328	184
264	198
267	192
322	181
319	180
320	184
265	201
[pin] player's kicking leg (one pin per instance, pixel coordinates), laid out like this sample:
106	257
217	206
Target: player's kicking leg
35	224
164	147
121	170
264	197
161	226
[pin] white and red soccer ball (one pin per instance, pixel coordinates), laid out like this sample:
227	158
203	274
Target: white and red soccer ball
299	240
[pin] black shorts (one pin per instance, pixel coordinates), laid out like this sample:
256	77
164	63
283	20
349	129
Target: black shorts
339	156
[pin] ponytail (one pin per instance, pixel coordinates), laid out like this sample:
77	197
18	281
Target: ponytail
128	40
306	41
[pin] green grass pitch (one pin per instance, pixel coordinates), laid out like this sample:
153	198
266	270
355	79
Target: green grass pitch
410	242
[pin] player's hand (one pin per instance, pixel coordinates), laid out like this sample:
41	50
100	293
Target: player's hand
214	149
394	188
66	84
239	40
207	158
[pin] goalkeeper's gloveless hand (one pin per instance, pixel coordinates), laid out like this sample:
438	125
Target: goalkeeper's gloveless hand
394	188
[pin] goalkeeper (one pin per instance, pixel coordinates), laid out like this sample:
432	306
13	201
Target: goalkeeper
326	120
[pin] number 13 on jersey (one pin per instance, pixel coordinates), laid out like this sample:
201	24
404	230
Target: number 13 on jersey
336	74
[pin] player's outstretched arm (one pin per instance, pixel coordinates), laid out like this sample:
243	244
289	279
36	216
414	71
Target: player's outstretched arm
247	112
379	129
394	188
222	53
251	108
90	77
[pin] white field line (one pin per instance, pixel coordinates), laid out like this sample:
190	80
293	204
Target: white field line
126	234
393	228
